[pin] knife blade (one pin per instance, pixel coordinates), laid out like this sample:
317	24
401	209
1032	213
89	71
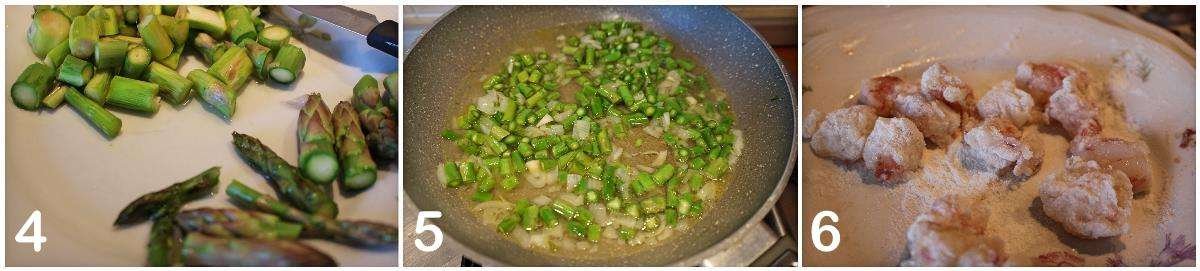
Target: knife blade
380	35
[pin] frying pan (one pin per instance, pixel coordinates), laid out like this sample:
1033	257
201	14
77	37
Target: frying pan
442	68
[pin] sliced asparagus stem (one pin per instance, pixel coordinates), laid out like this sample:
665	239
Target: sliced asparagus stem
289	60
274	36
106	21
202	250
75	71
133	94
151	205
172	61
358	169
48	29
391	86
131	15
176	29
97	88
145	10
127	38
261	57
136	62
72	11
105	121
378	123
233	67
155	37
209	48
170	9
31	86
287	180
354	233
174	87
55	56
214	93
166	240
237	223
110	53
83	37
206	20
55	97
314	132
240	23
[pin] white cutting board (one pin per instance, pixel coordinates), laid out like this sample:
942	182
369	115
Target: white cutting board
58	164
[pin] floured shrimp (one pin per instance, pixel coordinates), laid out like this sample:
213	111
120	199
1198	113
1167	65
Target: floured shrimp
1077	113
811	122
894	147
880	93
1005	101
843	133
1130	157
937	83
938	122
952	233
1087	200
998	144
1058	259
1043	79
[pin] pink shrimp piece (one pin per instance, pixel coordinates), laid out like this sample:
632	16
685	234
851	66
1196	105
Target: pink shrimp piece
1130	157
1004	100
894	147
937	83
1043	79
1089	201
952	233
880	93
1077	114
1058	259
998	144
938	122
843	133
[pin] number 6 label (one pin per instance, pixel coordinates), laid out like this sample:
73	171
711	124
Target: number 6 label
35	221
423	227
817	229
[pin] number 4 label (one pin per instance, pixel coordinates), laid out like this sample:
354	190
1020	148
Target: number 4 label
35	221
422	226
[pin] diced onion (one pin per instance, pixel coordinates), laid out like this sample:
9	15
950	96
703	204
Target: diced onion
554	129
441	174
545	119
488	103
616	154
660	159
707	191
582	129
573	180
573	199
541	200
738	145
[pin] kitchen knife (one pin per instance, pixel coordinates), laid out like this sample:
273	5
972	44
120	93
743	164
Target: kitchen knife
379	35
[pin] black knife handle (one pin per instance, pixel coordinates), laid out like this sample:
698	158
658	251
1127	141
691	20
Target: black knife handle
385	36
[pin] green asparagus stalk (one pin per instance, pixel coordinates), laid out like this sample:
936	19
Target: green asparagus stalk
146	10
176	29
110	53
209	48
105	121
48	29
166	240
287	180
354	233
206	20
150	205
233	67
274	36
155	37
172	61
314	132
202	250
289	60
97	88
127	38
174	87
136	62
214	93
240	23
72	11
391	86
261	57
237	223
377	119
358	170
83	37
133	94
131	15
170	9
55	97
105	19
75	71
55	56
31	86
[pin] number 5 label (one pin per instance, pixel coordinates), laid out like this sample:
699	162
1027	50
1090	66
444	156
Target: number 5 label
35	221
817	229
423	227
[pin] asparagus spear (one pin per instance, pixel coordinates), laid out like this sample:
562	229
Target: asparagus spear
174	87
72	11
75	71
274	36
237	223
128	38
172	61
358	170
55	97
287	180
209	48
136	62
110	53
233	67
206	20
155	37
166	240
106	23
176	29
150	205
214	93
105	121
56	55
391	86
377	120
314	131
97	88
49	29
30	87
354	233
133	94
83	36
240	23
201	250
146	10
261	57
289	60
